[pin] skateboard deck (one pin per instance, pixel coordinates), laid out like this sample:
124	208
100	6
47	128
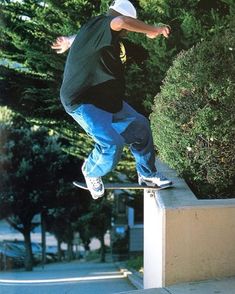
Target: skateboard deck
122	186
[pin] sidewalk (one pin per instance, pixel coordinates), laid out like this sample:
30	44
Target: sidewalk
218	286
66	278
224	286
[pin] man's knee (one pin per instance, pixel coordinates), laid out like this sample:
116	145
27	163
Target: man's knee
142	124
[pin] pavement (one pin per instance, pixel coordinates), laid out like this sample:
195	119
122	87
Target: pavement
98	278
66	278
224	286
217	286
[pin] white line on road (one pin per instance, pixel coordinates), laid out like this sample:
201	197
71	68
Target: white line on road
63	280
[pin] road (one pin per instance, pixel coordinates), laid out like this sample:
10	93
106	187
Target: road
66	278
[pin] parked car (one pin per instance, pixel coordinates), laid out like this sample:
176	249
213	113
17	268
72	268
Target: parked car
36	249
10	256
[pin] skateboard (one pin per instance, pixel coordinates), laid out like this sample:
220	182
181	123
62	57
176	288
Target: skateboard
123	186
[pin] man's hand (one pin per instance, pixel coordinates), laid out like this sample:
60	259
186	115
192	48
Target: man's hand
165	31
61	44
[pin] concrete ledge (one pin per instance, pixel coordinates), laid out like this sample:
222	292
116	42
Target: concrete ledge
148	291
225	286
186	239
135	278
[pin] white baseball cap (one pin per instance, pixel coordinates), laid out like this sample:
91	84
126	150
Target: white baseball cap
124	7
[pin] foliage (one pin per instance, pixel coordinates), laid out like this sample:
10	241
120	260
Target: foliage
64	218
36	177
93	255
32	87
136	263
120	246
34	170
31	73
190	22
97	221
30	78
193	116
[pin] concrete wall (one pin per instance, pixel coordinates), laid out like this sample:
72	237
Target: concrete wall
186	239
199	243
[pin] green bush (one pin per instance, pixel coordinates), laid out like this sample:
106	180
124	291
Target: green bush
191	21
93	255
136	263
193	117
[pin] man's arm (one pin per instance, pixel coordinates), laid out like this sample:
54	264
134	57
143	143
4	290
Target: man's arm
134	25
63	43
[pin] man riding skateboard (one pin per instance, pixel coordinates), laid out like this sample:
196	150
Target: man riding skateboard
92	93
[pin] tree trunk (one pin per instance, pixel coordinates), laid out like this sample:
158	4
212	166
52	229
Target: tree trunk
87	248
28	250
70	251
43	232
102	249
59	251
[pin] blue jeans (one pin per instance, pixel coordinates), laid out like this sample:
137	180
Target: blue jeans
111	131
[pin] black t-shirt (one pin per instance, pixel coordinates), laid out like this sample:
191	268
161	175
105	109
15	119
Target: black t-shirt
94	71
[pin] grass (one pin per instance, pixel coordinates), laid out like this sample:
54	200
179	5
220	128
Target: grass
136	263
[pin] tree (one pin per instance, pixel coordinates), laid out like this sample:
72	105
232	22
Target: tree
31	72
98	221
190	21
31	84
30	26
62	220
193	116
29	185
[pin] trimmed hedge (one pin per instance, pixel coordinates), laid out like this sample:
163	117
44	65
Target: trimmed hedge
193	118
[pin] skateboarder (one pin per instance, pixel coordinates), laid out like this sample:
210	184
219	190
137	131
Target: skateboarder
92	93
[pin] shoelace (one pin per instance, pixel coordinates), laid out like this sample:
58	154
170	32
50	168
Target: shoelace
96	182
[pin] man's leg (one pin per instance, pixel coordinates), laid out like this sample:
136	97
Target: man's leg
108	142
136	131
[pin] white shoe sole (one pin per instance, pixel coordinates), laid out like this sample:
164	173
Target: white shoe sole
96	196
